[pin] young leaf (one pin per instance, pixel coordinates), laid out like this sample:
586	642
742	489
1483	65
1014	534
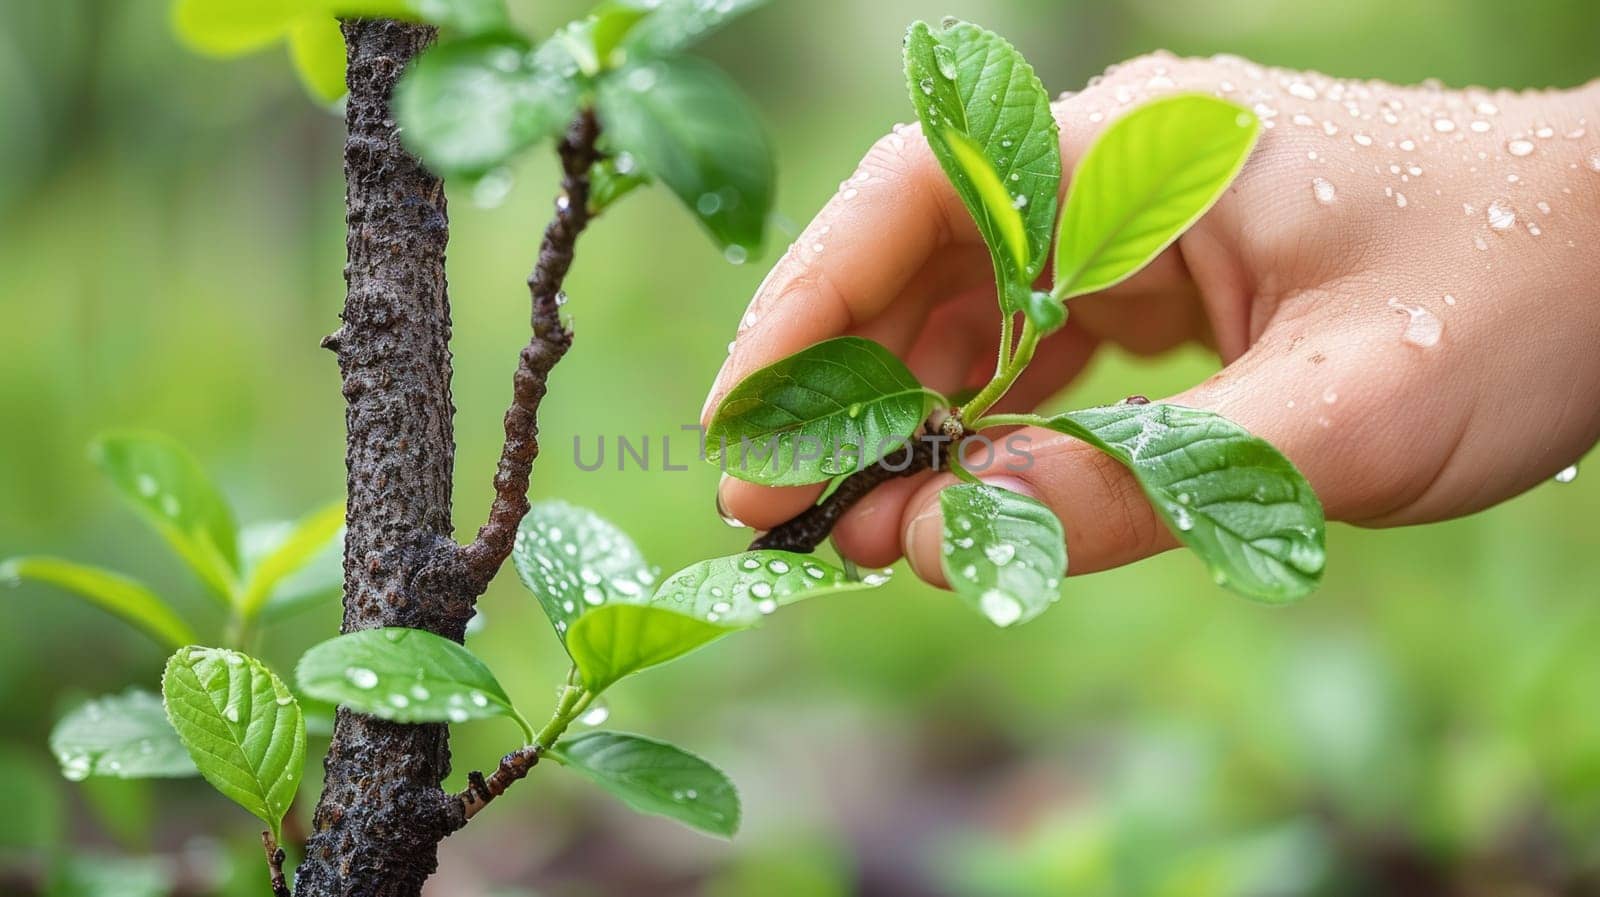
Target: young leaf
469	105
675	24
241	725
290	548
1231	497
1151	175
1045	311
687	125
165	485
655	777
1003	553
232	27
122	596
695	606
316	46
405	675
829	410
988	121
572	560
126	736
592	583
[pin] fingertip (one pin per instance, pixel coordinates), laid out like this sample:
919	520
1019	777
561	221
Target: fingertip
762	507
869	533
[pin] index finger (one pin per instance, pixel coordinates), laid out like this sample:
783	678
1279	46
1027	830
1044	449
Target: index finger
855	258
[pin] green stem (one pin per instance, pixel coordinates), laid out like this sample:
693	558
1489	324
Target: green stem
1008	420
997	387
574	699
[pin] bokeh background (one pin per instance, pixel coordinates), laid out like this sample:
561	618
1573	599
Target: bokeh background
170	252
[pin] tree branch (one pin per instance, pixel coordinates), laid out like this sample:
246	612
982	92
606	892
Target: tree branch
480	791
549	343
280	887
810	528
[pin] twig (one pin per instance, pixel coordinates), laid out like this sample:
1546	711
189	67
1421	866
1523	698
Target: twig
811	527
549	343
280	887
480	791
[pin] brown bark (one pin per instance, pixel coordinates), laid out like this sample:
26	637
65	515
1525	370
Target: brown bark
382	813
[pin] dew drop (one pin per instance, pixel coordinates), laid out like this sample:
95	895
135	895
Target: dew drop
361	677
1501	216
750	564
1567	474
1000	553
766	605
778	566
761	590
1000	608
596	715
1423	329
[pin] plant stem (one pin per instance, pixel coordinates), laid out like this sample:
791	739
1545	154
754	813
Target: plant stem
1008	420
997	387
269	844
517	764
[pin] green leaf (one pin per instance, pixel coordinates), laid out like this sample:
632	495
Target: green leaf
1003	553
687	125
573	560
675	24
655	777
406	676
831	409
1150	176
1045	311
233	27
611	179
165	485
465	16
1231	497
291	548
467	106
241	725
593	584
316	46
125	736
697	605
122	596
988	121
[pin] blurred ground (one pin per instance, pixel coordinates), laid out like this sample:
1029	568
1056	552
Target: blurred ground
170	248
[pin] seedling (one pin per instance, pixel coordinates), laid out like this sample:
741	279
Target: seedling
631	109
834	411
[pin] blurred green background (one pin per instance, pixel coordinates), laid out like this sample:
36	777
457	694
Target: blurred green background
171	237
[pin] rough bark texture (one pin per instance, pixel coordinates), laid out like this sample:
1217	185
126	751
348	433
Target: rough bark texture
550	341
382	812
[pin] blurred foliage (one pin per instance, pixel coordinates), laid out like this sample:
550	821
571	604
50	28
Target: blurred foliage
170	253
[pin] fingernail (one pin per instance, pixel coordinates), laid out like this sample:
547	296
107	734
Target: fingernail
925	529
722	508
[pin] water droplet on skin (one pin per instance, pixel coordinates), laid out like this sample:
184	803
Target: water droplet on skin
1423	329
1544	132
1361	139
1487	108
1479	126
1501	216
1449	299
1323	191
1567	474
1594	161
361	677
1408	145
1000	608
1400	200
1519	147
1302	90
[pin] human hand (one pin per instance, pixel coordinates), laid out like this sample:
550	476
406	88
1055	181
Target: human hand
1400	285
